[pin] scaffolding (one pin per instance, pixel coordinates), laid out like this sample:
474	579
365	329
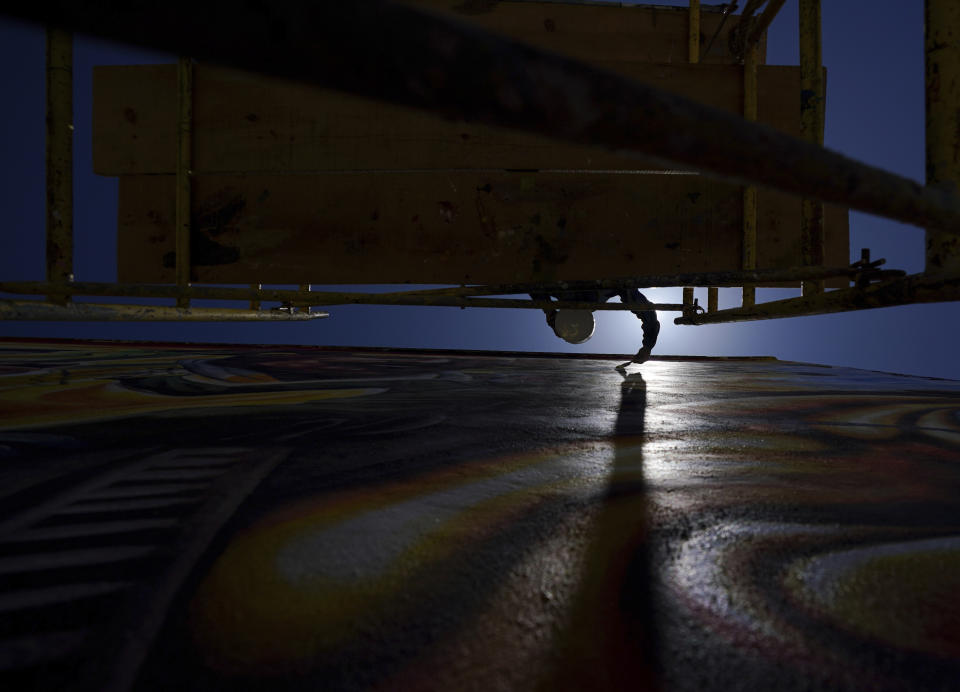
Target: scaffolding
452	69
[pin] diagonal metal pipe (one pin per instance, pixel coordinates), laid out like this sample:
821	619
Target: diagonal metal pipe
907	290
412	57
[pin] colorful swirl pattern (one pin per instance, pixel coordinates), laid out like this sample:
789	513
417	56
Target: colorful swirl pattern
457	521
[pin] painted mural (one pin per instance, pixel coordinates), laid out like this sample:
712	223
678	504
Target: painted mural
220	517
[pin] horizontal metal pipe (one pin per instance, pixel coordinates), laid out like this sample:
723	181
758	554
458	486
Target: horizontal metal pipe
35	310
918	288
554	305
461	72
751	100
729	279
309	298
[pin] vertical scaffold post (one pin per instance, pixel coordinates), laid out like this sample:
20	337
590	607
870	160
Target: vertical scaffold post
693	55
305	288
942	51
811	129
713	299
694	32
59	159
184	162
750	62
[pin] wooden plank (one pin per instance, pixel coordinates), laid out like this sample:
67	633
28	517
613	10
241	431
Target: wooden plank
443	227
297	184
244	122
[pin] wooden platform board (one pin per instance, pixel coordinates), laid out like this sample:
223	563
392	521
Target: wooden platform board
295	184
450	227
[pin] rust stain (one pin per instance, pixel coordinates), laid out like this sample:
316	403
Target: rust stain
219	213
214	216
204	252
488	224
447	211
548	252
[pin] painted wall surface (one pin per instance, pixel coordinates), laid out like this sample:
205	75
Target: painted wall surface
209	517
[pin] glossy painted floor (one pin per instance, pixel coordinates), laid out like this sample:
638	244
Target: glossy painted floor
208	517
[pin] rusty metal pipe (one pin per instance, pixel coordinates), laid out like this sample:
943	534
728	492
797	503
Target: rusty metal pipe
254	292
460	72
811	129
35	310
942	67
750	109
59	160
693	49
550	305
304	298
716	279
762	23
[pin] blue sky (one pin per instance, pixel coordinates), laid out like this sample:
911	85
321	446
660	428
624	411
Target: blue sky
874	113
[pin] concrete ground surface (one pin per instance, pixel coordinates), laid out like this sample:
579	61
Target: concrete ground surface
198	517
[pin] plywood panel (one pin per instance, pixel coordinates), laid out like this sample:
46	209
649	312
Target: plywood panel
248	123
298	184
244	122
433	228
444	227
778	221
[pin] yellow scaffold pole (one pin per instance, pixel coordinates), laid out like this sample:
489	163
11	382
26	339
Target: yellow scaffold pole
811	129
942	50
